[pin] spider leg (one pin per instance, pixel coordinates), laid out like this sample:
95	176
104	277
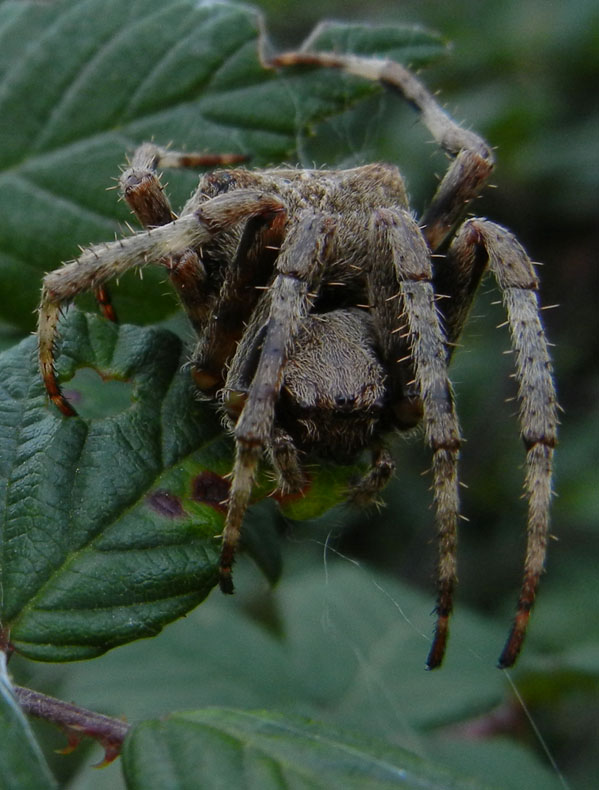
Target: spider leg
244	279
140	182
98	264
413	345
141	188
517	281
473	158
297	273
284	457
365	491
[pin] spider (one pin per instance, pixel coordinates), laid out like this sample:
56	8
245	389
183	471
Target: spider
327	316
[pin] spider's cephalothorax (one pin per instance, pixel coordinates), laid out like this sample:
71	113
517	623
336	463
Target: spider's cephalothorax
326	316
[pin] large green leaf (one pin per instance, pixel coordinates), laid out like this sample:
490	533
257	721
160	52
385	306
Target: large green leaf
347	649
85	81
219	748
103	534
110	525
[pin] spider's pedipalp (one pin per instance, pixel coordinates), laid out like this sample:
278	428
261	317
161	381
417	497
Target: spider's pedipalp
297	273
98	264
365	491
517	281
422	378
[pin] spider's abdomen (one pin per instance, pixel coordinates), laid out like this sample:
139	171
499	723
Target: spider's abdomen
334	385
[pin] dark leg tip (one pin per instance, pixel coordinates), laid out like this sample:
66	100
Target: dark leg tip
225	581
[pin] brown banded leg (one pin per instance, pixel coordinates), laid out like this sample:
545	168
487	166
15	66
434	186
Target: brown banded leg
457	276
413	344
244	279
518	283
142	189
473	158
98	264
140	183
288	298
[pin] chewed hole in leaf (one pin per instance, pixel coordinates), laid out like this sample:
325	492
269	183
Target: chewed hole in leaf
95	396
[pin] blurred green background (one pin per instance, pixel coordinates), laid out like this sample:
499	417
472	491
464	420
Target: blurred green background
523	73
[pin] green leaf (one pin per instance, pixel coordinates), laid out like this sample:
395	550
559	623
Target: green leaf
111	524
130	71
107	532
22	765
221	748
347	649
408	44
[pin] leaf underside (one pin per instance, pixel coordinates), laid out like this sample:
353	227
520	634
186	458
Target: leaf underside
265	750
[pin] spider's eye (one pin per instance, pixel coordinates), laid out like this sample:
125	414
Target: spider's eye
345	403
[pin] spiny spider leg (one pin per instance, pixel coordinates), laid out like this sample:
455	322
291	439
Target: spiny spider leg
140	183
473	161
420	338
100	263
518	283
141	188
376	478
240	292
298	270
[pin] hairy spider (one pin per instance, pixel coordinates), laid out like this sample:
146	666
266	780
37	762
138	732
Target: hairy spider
327	317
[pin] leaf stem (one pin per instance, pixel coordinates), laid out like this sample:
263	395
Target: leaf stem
75	721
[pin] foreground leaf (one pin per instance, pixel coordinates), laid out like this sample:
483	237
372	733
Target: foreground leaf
229	748
349	652
111	525
104	540
129	71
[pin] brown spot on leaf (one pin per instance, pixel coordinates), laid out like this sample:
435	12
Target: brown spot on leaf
211	489
166	504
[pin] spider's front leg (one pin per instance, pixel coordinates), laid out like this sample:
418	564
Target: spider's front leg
141	188
140	183
480	243
473	158
287	302
402	299
101	263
